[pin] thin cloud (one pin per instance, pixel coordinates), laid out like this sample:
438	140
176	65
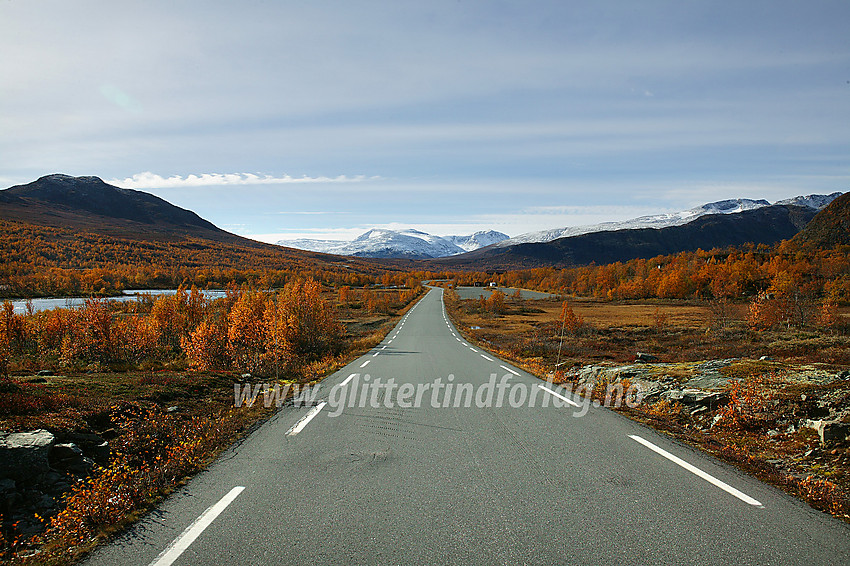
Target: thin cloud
148	180
312	212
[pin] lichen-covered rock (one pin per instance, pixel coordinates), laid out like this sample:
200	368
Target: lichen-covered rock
829	431
25	454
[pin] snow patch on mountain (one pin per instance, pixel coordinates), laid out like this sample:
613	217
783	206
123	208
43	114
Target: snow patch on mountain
817	202
310	245
477	240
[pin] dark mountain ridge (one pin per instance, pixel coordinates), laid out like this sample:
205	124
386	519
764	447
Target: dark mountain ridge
830	227
766	225
90	204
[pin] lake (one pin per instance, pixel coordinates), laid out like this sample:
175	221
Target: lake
20	305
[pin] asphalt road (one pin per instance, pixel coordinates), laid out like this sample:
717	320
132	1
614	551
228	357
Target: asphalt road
337	484
476	292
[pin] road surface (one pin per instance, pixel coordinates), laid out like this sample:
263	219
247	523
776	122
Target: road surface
476	292
516	484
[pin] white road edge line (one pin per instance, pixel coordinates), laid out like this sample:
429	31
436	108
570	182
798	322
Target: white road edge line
179	545
473	349
559	396
375	354
697	472
347	379
302	422
487	358
364	364
506	368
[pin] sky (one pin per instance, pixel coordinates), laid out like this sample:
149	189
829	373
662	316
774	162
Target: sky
284	119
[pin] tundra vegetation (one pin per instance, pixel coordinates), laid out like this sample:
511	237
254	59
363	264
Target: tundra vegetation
154	378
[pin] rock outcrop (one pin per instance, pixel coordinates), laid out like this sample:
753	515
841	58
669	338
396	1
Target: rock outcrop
37	468
25	454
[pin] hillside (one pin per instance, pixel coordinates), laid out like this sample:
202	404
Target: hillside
64	235
91	205
830	227
763	225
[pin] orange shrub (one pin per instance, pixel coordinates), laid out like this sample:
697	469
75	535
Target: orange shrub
138	338
828	316
766	311
90	334
246	332
206	346
344	294
571	322
495	303
311	328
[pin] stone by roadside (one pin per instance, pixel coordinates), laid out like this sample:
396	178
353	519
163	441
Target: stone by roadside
697	386
37	468
786	423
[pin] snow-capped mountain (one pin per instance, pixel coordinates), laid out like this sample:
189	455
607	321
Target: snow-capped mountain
812	201
414	244
477	240
730	206
411	244
310	245
404	243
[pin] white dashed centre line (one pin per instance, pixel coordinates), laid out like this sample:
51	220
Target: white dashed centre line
347	379
173	551
366	363
697	472
506	368
486	358
311	414
559	396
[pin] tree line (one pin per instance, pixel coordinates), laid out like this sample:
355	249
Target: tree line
249	330
783	284
43	261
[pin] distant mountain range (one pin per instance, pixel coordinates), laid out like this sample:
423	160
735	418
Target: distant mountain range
87	204
609	241
751	222
765	225
400	244
731	206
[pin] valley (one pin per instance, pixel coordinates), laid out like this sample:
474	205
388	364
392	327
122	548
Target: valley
731	328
